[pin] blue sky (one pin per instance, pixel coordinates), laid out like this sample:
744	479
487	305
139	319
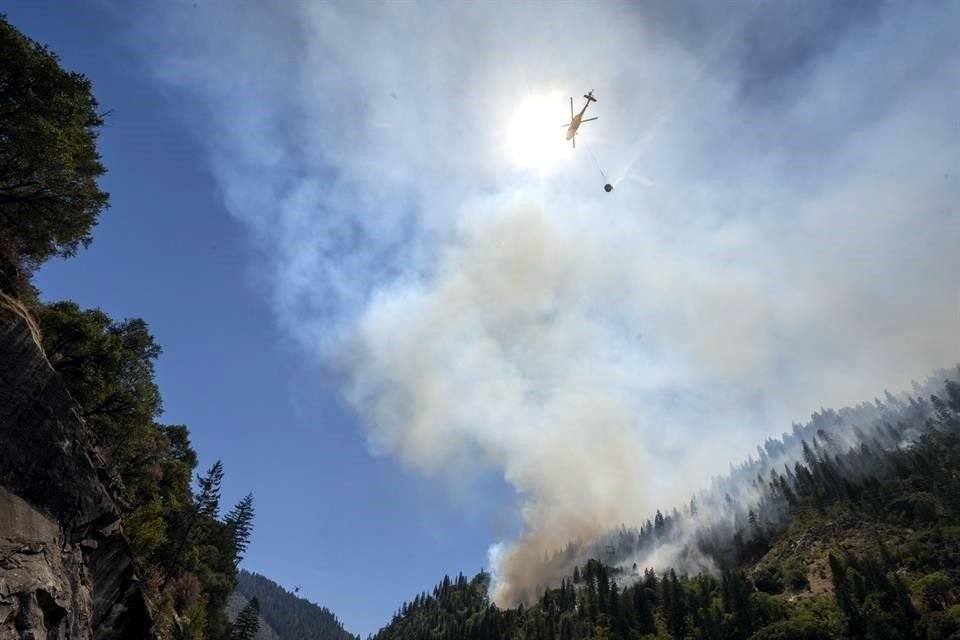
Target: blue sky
413	338
357	533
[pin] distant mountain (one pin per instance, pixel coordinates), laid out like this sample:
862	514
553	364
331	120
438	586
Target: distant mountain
285	616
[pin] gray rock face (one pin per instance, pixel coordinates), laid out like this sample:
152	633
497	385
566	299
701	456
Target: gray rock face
36	593
66	570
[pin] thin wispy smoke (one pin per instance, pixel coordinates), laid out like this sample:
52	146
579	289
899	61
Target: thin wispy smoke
791	244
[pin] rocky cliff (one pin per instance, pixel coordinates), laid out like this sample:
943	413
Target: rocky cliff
66	570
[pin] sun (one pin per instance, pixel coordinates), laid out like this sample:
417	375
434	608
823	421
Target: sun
535	133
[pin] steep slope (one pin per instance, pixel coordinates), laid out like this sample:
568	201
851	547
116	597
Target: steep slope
717	527
863	543
289	616
66	568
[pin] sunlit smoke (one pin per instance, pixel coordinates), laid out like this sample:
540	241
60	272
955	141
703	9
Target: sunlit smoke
466	367
605	353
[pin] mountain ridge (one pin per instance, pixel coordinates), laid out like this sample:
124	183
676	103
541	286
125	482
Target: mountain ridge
288	616
859	541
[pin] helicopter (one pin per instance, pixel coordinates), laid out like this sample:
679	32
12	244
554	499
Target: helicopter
577	120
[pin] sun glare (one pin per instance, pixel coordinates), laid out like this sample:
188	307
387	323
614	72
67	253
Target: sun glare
535	138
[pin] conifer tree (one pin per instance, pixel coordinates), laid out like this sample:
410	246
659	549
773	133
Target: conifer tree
240	524
248	622
206	504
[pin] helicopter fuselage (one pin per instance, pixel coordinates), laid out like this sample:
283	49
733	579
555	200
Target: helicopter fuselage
574	124
577	119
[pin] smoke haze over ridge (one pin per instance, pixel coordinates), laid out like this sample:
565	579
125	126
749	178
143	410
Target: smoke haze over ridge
784	240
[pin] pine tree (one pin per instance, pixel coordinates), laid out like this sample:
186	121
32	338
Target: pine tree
208	500
646	624
240	524
845	599
603	589
206	504
676	615
248	622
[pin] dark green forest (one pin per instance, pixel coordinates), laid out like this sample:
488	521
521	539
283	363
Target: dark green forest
185	547
863	543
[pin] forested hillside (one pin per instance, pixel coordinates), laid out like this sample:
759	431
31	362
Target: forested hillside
855	542
288	615
720	524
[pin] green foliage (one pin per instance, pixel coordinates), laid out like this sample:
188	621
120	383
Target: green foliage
874	603
49	164
108	367
247	623
918	508
933	590
795	577
146	528
202	544
178	537
799	628
240	524
701	607
769	580
766	609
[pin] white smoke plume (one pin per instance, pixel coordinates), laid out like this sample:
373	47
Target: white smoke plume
783	236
